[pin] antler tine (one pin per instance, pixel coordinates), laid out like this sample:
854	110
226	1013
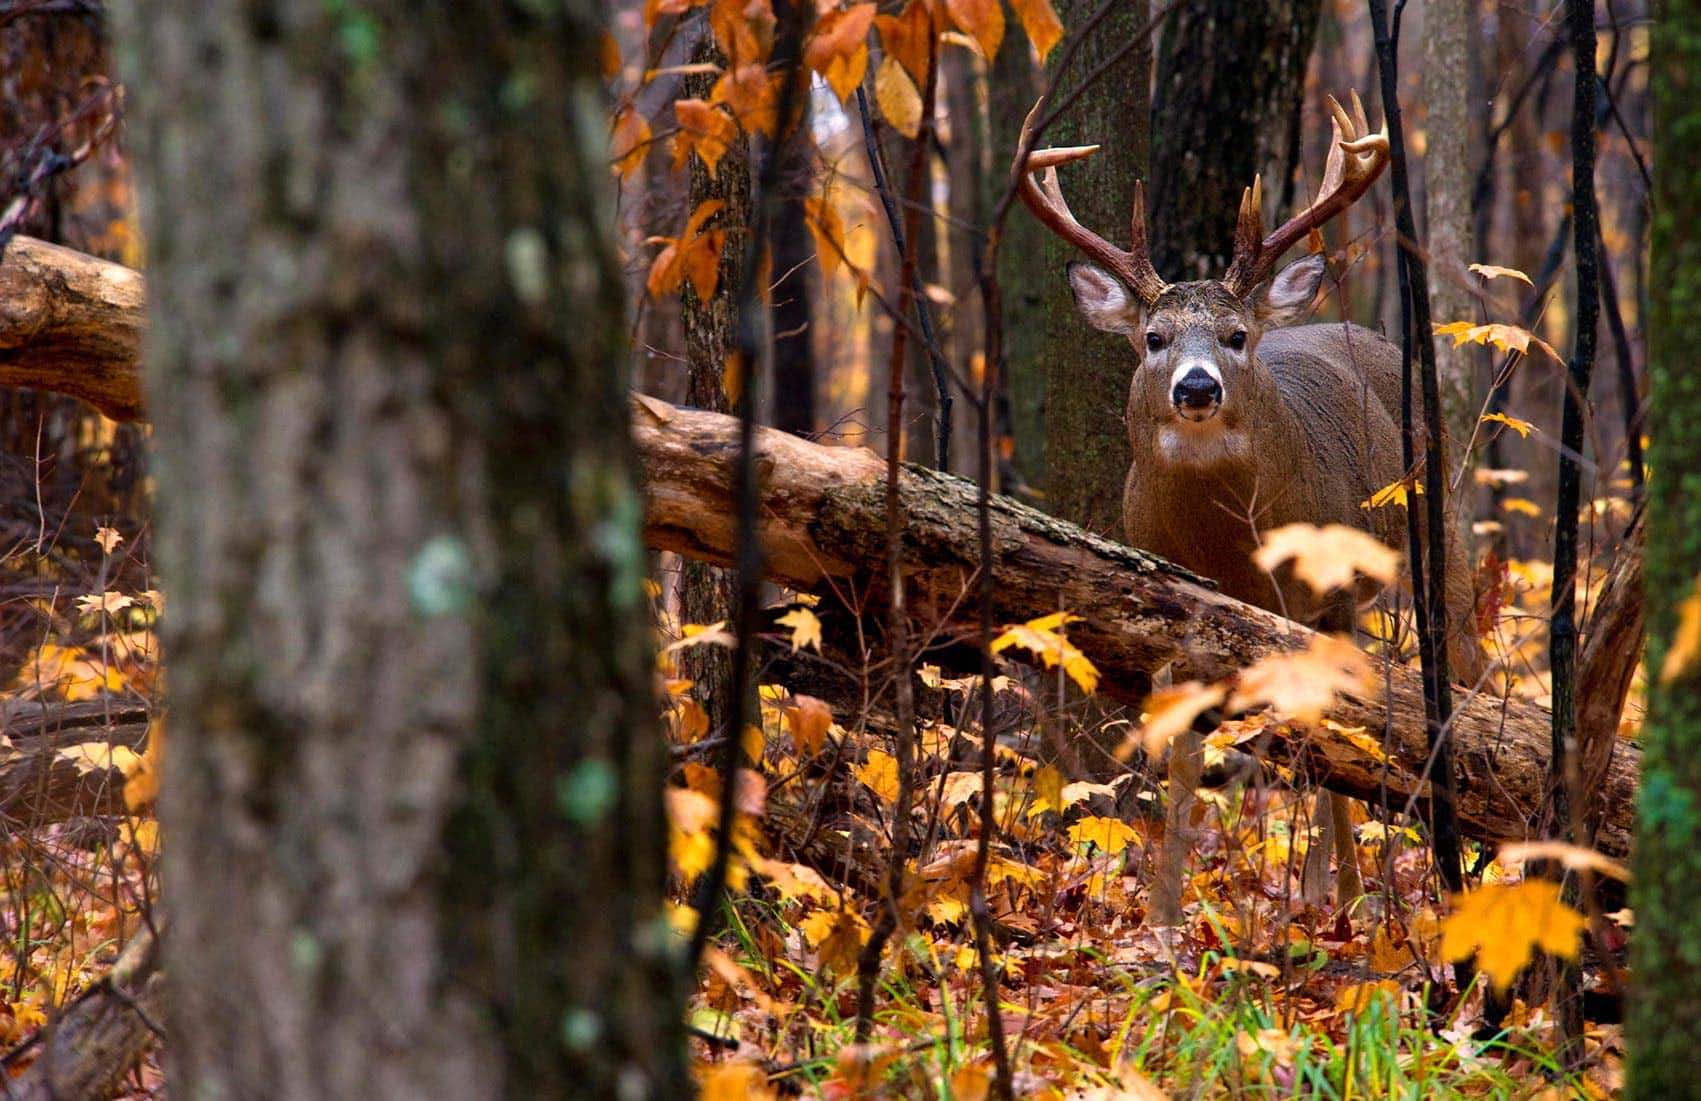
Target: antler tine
1357	156
1043	195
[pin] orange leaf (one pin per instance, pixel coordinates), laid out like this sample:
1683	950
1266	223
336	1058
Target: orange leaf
630	142
751	95
809	720
1301	685
1504	925
702	130
981	20
1326	558
899	101
744	30
838	49
905	37
1040	22
828	231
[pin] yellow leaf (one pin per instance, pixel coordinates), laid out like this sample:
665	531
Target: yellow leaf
837	937
1047	788
971	1082
141	787
1326	558
838	48
701	634
879	774
1394	493
1169	712
898	99
68	673
1111	835
630	142
1523	428
1686	640
1359	738
736	1080
906	36
1572	857
805	628
101	756
981	20
829	233
1508	338
1494	271
1302	684
1505	923
108	538
1521	505
1040	21
1042	637
1358	997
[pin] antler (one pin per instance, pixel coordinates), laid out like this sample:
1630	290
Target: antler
1356	157
1044	196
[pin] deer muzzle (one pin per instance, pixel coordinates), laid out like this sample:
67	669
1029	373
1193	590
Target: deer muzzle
1196	393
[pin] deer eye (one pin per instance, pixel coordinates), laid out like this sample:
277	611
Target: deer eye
1237	339
1154	342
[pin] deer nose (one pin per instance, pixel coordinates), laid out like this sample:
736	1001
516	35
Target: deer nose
1196	390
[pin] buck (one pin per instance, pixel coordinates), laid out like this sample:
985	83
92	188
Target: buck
1240	421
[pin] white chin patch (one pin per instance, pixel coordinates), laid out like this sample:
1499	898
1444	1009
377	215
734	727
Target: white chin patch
1205	442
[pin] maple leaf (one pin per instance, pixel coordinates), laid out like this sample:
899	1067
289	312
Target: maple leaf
899	101
836	936
101	757
879	774
1302	684
808	719
1042	637
981	20
1494	271
1169	712
1504	924
703	634
1523	428
1110	835
630	142
1047	788
1039	21
1394	493
1326	558
704	130
107	602
838	50
1685	647
805	628
1508	338
108	538
904	37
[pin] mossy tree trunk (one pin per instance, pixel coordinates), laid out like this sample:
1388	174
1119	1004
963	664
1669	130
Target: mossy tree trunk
1664	1018
417	843
1068	382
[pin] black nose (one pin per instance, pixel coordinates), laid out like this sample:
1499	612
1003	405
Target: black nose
1197	390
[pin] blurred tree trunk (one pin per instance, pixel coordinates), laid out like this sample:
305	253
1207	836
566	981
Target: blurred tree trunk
1663	1026
415	774
1070	385
1448	177
711	334
795	273
1231	78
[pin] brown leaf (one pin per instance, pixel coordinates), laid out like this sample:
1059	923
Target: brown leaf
905	37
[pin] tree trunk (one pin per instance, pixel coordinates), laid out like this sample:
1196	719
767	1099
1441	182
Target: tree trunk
823	519
1663	1026
1079	377
796	272
414	780
1231	78
1448	176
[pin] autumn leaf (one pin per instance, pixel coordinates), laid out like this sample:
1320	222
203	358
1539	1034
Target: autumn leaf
704	130
101	757
141	786
736	1080
1302	685
752	95
1494	271
107	603
694	255
1523	428
1508	338
1326	558
898	99
108	539
904	37
1394	493
744	30
1170	712
879	774
838	48
1574	858
808	719
829	233
1047	789
805	628
1039	20
703	634
1522	505
1685	647
1043	638
981	20
1504	924
630	142
837	937
1110	835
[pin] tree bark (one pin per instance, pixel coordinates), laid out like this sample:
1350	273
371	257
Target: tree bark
1663	1026
71	324
414	784
1231	78
1068	383
823	522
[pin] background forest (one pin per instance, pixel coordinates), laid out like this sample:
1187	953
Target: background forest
636	500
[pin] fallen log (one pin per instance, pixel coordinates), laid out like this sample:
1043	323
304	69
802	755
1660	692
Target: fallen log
56	762
71	324
823	524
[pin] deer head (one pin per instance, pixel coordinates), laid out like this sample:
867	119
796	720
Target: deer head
1199	380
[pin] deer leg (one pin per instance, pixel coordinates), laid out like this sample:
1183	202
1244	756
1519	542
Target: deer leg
1349	884
1186	759
1314	877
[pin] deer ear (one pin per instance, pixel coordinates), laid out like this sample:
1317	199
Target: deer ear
1102	299
1287	297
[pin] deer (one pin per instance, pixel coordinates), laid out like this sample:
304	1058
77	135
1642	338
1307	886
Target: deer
1240	420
